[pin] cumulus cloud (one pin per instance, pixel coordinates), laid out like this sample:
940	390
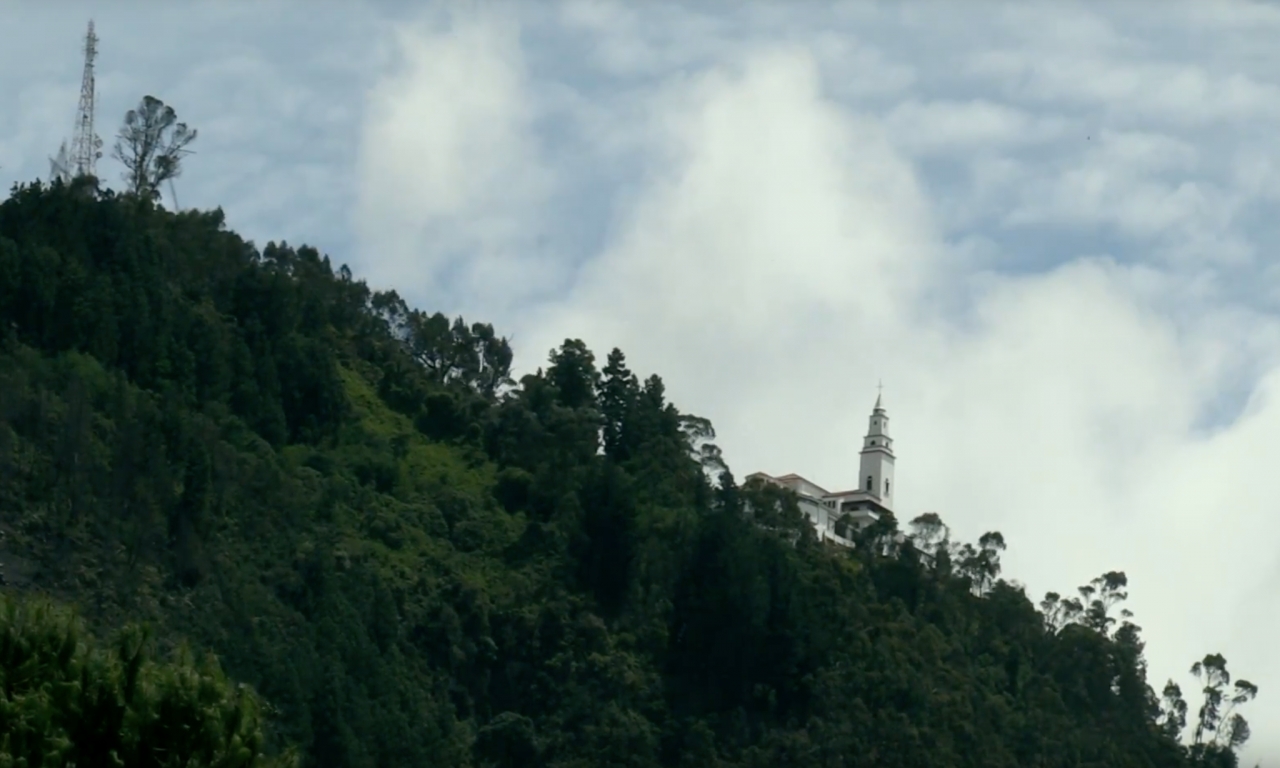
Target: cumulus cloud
945	126
1143	186
1140	183
1081	59
1046	228
782	229
449	169
625	42
747	229
781	256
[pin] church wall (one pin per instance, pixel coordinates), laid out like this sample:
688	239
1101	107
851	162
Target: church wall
816	512
880	468
806	488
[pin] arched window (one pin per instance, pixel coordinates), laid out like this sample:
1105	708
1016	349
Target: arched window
886	487
870	480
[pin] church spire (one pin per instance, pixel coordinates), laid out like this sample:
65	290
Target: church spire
875	468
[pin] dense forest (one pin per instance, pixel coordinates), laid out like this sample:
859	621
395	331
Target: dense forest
250	505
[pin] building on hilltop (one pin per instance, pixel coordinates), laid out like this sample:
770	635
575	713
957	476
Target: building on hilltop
859	507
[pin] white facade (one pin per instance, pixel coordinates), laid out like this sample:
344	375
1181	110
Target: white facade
875	467
860	506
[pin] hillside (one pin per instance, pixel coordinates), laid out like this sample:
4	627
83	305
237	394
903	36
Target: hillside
417	561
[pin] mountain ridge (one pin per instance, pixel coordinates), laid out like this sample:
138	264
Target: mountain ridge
415	560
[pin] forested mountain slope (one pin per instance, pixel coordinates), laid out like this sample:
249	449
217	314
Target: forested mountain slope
416	561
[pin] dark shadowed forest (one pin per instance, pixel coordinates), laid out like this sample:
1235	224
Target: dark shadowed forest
257	512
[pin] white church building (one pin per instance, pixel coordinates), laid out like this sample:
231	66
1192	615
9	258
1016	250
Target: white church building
860	506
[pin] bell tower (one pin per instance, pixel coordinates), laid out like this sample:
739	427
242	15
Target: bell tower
875	475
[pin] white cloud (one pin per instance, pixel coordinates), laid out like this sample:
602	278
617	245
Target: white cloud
1100	193
449	169
747	229
1044	227
621	43
1209	560
939	127
780	258
855	69
776	245
1146	186
1232	15
1122	87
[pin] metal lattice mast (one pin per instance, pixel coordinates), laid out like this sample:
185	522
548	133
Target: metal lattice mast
86	147
58	165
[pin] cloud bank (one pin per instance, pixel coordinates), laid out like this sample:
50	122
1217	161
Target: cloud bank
1043	265
449	170
1047	228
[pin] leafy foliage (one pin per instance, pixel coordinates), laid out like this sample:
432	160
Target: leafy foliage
415	560
67	701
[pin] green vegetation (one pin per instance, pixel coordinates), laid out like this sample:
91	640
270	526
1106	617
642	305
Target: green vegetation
67	703
415	561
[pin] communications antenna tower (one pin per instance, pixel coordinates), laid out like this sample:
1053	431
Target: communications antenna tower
81	158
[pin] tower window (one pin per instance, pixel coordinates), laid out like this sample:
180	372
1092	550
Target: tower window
886	487
870	482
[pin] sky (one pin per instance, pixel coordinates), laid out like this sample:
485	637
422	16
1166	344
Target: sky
1046	227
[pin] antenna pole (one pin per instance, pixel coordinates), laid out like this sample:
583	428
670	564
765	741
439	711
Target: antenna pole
81	157
86	147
